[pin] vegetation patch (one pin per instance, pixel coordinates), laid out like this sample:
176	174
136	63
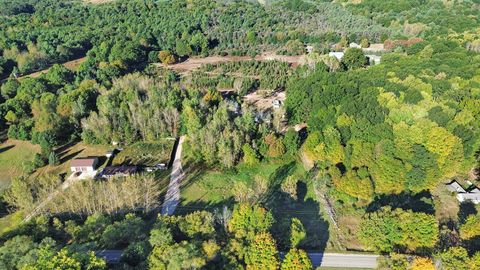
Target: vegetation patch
146	153
14	155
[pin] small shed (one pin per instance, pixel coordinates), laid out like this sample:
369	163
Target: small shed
123	170
88	164
338	55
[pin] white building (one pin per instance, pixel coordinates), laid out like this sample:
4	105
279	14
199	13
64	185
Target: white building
84	164
338	55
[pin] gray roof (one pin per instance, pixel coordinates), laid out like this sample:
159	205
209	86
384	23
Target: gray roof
454	186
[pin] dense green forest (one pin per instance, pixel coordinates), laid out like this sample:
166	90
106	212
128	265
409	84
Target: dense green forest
366	171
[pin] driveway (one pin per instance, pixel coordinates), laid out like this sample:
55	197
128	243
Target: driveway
173	193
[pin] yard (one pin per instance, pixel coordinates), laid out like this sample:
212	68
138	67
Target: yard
13	154
145	153
71	151
211	189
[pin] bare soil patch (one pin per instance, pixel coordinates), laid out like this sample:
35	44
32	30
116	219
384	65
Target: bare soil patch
194	63
72	65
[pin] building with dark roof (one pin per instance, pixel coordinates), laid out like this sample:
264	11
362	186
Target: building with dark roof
112	171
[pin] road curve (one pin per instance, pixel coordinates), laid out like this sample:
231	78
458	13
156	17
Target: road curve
173	193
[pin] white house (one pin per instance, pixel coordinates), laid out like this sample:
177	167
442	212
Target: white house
88	164
338	55
472	194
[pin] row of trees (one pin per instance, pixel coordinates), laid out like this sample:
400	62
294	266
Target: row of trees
44	195
224	239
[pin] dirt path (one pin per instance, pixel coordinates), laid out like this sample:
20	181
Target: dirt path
173	193
72	65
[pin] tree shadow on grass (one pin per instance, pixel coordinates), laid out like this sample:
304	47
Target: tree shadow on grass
6	148
466	209
284	208
70	156
417	202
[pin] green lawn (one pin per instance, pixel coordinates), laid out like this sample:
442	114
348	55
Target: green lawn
214	187
145	153
13	154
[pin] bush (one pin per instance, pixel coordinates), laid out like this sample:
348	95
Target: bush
166	57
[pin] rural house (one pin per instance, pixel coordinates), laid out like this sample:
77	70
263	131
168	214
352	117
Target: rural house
87	164
471	194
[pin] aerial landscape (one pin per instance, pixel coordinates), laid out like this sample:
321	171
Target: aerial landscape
235	134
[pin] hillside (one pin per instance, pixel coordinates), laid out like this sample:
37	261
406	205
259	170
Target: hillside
199	134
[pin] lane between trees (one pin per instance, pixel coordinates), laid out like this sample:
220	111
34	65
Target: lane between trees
173	193
318	259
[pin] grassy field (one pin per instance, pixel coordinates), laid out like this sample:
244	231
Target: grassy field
210	189
145	153
13	154
214	187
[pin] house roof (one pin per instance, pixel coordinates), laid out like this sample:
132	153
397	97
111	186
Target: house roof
469	196
83	162
474	190
454	186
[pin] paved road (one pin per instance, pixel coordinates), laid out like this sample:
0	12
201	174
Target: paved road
343	260
318	259
173	193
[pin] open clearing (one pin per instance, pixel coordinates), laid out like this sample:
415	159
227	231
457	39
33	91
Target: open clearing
194	63
72	65
13	154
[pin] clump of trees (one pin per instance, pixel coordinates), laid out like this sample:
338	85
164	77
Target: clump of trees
222	240
388	230
385	130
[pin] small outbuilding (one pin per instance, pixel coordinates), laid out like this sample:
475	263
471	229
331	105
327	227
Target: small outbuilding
87	164
338	55
112	171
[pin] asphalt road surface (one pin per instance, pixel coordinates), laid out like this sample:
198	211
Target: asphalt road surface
173	193
343	260
318	259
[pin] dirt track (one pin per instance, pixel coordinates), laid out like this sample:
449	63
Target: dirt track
195	63
72	65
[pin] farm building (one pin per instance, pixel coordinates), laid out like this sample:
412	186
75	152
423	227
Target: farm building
87	164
